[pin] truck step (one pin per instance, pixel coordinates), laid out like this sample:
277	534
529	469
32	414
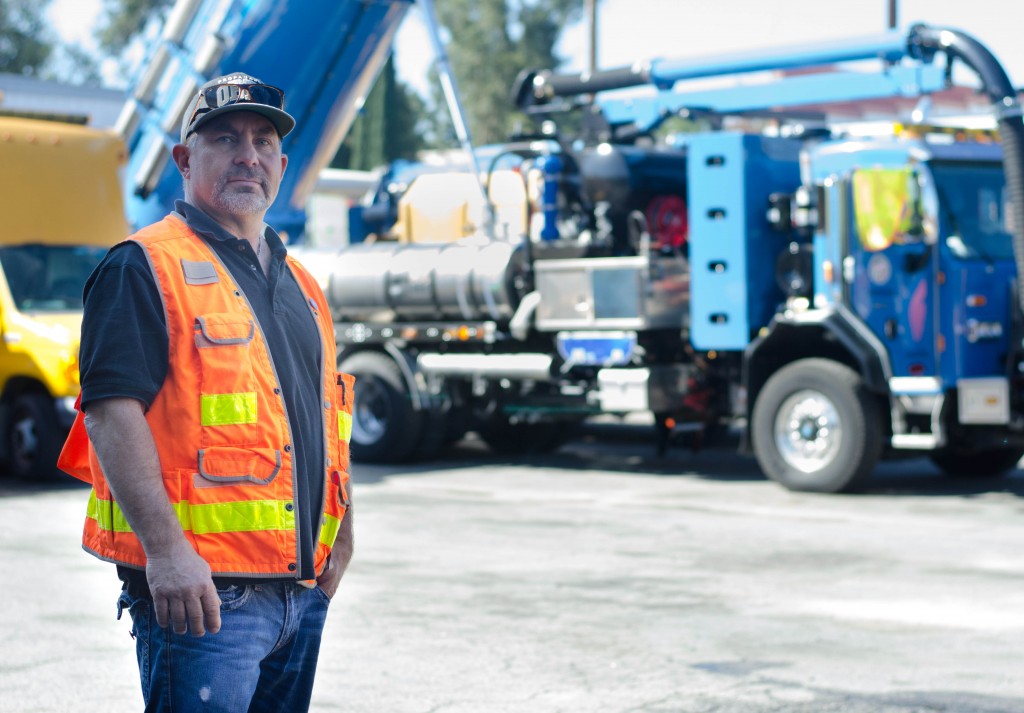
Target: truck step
916	441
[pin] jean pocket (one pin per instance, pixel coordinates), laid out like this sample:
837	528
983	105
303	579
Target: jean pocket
323	595
134	605
140	611
233	596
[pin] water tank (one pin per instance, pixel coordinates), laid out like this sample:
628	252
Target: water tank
400	281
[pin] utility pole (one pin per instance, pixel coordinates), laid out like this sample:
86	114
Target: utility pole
591	11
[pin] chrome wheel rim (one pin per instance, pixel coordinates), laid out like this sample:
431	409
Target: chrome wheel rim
372	412
808	431
24	441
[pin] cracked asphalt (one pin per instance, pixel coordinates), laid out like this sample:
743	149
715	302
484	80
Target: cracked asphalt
598	579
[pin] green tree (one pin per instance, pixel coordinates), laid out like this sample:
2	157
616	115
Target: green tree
25	40
386	128
29	47
491	41
73	64
122	20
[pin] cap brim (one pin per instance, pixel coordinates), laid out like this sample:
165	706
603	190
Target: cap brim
282	120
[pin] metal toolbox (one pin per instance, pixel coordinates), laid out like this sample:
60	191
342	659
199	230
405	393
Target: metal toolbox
612	293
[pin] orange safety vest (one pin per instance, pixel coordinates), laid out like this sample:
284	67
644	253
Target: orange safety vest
220	425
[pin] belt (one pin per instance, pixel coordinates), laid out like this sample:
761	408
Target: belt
135	583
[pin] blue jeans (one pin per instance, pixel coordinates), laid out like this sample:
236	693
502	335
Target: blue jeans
262	660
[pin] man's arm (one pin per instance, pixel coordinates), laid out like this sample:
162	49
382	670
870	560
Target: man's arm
179	579
341	553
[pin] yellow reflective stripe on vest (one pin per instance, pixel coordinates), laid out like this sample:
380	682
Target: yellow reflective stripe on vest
107	514
228	409
249	516
213	518
329	530
344	426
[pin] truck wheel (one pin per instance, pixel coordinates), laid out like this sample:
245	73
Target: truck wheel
816	428
385	426
33	437
976	464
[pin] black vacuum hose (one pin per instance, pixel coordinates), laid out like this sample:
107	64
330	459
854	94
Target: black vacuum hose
997	86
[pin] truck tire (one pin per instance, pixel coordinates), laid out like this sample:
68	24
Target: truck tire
33	437
988	463
816	428
385	426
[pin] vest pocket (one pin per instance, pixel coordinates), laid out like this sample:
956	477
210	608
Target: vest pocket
228	392
345	402
238	508
237	466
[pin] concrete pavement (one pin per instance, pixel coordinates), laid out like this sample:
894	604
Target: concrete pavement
600	579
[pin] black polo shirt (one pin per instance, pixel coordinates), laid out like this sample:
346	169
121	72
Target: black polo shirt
124	349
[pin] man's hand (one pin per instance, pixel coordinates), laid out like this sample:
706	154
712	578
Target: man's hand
341	554
330	579
183	592
179	579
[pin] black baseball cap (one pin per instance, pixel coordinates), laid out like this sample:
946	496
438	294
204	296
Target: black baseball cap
236	92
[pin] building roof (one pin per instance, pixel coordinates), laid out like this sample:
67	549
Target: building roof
94	106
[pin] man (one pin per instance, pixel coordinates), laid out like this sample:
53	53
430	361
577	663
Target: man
214	427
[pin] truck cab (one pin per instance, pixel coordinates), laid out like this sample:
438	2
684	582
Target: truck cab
930	272
62	207
909	284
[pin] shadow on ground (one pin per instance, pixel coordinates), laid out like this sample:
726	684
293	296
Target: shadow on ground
632	449
619	448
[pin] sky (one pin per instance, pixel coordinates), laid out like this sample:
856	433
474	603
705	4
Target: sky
632	30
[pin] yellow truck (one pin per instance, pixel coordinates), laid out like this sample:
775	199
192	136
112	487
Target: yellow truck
61	208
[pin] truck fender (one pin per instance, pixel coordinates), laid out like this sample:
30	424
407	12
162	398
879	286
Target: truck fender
833	333
414	380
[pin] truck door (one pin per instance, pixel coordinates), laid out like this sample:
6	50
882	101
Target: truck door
977	263
891	269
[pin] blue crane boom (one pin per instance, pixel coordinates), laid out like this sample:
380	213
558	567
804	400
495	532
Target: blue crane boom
324	54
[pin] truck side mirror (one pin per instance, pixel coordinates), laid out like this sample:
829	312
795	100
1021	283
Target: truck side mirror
795	212
794	270
887	207
779	213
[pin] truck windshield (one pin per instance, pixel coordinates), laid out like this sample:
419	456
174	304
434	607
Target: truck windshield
48	278
974	209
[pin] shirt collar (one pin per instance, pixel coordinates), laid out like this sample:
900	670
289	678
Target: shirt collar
202	224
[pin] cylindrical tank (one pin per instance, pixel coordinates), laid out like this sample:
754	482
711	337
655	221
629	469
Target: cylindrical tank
394	282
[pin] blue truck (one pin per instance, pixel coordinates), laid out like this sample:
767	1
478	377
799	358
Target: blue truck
841	298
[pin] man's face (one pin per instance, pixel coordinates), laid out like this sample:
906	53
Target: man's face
233	166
